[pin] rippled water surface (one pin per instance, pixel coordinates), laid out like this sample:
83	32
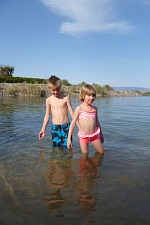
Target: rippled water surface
41	185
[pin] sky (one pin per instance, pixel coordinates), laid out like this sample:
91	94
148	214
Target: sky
95	41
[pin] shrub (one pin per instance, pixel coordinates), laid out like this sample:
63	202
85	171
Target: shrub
65	82
34	90
9	79
22	90
74	89
12	90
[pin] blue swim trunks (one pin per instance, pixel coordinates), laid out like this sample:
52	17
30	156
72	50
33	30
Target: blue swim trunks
60	134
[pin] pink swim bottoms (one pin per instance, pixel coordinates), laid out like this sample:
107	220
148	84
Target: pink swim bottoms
85	138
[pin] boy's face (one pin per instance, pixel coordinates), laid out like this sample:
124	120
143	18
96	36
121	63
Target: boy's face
55	90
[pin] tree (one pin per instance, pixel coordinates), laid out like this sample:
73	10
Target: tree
6	70
97	88
107	87
81	84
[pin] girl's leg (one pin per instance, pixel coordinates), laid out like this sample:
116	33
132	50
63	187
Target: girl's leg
98	146
84	147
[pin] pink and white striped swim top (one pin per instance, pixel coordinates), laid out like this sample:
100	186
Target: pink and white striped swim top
87	114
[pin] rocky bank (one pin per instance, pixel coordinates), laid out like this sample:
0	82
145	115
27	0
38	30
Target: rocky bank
25	89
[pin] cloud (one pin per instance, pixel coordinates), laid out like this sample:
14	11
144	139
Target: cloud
134	61
145	2
87	16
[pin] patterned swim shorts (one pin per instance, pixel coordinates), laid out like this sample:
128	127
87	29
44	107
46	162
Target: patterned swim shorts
60	134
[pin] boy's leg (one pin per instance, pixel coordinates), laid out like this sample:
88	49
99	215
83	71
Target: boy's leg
56	135
64	134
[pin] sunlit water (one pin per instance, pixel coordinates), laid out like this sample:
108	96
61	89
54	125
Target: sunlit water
41	185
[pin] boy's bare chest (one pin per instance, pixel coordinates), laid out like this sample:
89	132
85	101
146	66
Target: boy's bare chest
58	103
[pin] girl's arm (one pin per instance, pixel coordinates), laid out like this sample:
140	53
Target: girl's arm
98	125
72	125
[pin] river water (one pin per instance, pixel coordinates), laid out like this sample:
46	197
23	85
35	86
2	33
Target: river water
40	185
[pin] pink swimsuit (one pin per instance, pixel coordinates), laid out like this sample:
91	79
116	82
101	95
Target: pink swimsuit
88	137
87	114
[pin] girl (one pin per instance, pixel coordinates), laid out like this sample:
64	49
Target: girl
86	117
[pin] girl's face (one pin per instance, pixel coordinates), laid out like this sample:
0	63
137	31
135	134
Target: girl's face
89	99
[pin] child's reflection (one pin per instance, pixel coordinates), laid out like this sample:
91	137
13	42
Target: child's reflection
87	173
58	177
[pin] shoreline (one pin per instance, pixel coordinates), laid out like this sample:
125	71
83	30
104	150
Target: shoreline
26	89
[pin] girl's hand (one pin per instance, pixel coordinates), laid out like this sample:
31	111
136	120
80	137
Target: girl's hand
69	144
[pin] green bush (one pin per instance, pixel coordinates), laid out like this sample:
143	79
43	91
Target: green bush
106	87
74	89
8	79
81	84
65	82
12	90
34	90
25	90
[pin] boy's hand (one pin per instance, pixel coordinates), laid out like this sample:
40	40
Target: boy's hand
41	135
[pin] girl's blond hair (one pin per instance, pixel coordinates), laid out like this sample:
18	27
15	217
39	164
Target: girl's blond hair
86	89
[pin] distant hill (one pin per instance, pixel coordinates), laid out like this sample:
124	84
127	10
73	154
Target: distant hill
131	89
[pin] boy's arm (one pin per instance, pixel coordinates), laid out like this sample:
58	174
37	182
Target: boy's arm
70	107
46	120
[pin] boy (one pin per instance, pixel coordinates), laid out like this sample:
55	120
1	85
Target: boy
58	105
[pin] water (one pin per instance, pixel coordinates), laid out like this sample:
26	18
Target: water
40	185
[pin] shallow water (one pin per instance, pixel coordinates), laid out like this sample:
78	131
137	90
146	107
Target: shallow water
41	185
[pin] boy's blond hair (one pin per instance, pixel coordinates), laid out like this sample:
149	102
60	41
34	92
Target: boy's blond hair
54	81
86	89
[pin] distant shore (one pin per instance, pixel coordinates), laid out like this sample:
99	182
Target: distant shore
25	89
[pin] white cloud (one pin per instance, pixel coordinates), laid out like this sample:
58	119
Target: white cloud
87	16
134	61
145	2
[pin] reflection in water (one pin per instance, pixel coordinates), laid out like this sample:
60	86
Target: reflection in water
58	178
88	171
66	174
